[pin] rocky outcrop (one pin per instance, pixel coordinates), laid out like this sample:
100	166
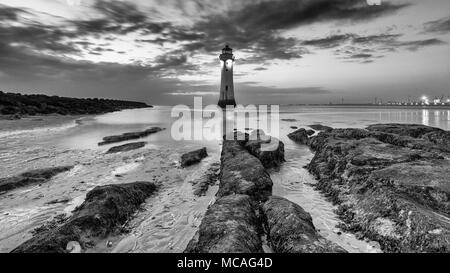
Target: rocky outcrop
17	104
269	150
411	130
229	226
103	212
129	136
300	136
242	173
126	147
291	230
31	178
390	182
412	136
242	215
320	127
193	157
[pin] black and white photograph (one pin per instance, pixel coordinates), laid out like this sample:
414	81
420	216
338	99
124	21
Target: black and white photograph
197	127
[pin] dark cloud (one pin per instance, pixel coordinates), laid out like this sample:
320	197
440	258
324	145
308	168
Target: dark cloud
419	44
256	27
438	26
355	47
37	37
277	15
118	17
328	42
10	13
361	56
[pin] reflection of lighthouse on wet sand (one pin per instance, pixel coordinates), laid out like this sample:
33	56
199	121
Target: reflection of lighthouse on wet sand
227	84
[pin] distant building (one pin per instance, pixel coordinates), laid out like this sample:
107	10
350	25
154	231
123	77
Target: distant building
227	83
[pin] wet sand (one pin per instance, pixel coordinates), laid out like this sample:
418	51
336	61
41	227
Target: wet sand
176	210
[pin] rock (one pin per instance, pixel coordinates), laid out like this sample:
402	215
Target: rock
300	136
424	180
229	226
289	119
320	127
310	132
104	211
129	136
390	183
126	147
269	150
31	178
58	201
291	230
294	127
242	173
194	157
413	136
411	130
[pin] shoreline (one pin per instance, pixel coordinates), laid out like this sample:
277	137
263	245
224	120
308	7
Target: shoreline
16	104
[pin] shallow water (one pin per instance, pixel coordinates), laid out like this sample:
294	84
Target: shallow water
54	141
293	182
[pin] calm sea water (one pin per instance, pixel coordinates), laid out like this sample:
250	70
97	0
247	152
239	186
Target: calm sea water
53	141
23	143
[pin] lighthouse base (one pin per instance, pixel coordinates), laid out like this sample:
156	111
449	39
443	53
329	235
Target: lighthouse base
224	103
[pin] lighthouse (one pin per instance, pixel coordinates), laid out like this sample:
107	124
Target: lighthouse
227	84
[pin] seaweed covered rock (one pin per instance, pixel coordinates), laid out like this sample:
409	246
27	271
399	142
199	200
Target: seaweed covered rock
104	211
411	130
193	157
126	147
31	178
242	173
300	136
390	182
270	152
130	136
291	230
320	127
229	226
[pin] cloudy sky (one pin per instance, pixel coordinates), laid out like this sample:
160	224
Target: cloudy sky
166	51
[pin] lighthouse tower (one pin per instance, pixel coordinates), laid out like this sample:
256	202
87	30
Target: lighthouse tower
227	84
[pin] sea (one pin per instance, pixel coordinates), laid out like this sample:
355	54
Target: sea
169	219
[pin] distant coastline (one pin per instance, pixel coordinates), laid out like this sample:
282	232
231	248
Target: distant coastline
15	105
382	106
